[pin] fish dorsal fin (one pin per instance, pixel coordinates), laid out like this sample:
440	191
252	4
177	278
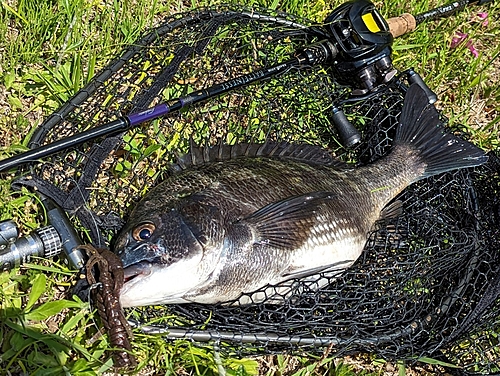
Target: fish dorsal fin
305	153
286	223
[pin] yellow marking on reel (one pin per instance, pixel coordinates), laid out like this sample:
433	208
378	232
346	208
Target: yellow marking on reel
370	22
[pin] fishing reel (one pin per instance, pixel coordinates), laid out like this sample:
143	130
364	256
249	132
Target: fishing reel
45	242
364	40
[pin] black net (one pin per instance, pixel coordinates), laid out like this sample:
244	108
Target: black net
427	282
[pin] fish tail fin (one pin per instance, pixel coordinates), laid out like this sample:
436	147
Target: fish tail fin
420	129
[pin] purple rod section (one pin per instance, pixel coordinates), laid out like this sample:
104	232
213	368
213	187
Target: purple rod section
149	114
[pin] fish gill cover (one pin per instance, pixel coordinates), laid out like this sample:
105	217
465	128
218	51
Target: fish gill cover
424	285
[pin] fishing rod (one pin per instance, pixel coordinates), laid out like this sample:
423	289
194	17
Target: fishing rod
446	10
354	24
357	44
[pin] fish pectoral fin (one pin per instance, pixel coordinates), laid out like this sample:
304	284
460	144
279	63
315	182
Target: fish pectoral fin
336	268
287	223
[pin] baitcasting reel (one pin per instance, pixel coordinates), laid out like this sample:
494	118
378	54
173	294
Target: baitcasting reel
364	41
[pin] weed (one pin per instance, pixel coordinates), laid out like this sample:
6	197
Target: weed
50	49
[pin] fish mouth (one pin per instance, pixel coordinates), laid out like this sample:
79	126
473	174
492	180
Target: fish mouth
136	271
138	254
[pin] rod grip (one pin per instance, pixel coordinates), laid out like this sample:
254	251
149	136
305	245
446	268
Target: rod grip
402	24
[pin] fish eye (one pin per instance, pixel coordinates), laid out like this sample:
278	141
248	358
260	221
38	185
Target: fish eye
143	232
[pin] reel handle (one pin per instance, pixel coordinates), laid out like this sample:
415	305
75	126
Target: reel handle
59	236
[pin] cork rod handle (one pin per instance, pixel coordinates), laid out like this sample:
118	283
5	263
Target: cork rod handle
401	25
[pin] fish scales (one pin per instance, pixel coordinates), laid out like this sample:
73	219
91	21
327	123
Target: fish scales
238	192
259	215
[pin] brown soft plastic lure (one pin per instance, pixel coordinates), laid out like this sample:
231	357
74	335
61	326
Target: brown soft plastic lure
107	298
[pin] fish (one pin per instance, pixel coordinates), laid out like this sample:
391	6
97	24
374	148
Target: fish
234	219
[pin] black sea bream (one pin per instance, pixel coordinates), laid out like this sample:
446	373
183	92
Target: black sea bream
253	215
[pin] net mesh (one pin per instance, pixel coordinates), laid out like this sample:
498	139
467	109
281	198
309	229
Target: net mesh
426	283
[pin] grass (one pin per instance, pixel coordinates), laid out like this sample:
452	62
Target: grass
51	48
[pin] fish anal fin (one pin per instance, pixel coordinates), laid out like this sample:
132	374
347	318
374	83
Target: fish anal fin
392	211
337	267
